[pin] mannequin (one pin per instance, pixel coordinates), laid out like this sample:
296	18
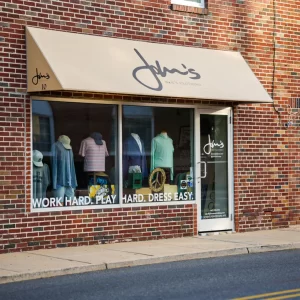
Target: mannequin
41	175
94	151
162	150
134	155
63	169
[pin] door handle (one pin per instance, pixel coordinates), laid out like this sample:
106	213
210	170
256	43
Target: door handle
204	170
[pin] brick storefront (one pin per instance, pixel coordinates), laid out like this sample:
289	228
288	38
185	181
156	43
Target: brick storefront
266	137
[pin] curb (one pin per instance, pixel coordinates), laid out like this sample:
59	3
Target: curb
270	248
147	261
52	273
174	258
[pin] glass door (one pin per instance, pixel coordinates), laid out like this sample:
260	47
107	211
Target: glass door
214	160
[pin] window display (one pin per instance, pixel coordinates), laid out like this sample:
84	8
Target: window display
76	160
82	170
163	170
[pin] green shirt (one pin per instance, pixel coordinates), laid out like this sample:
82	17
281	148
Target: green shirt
162	153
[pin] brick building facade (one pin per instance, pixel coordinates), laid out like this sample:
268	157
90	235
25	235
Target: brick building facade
266	140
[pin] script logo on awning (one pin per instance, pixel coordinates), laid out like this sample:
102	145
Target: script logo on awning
38	76
157	70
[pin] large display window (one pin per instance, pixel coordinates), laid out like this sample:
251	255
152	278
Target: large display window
74	154
89	154
157	154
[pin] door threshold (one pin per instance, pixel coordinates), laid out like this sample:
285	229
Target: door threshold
217	232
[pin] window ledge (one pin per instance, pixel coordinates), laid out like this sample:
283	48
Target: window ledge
190	9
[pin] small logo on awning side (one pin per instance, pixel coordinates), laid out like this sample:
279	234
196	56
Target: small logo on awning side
158	71
38	76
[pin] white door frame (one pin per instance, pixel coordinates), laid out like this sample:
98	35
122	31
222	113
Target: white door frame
214	224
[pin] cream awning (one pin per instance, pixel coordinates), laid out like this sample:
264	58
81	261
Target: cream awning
76	62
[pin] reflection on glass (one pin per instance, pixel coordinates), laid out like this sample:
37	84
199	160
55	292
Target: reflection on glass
157	157
74	154
214	166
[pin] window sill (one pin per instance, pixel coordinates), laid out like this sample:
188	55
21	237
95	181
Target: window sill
189	9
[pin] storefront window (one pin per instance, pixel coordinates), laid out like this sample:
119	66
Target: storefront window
74	155
157	154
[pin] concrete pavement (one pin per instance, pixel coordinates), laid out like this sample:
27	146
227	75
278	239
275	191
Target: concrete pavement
63	261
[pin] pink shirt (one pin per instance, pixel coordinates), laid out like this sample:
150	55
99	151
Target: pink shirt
94	155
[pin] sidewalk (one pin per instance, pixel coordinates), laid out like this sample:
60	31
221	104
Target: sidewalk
62	261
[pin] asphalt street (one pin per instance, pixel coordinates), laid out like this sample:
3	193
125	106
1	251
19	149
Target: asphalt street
215	278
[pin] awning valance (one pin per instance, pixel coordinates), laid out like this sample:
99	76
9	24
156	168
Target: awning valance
76	62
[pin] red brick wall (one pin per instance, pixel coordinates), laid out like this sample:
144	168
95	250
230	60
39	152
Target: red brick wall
89	227
267	172
266	154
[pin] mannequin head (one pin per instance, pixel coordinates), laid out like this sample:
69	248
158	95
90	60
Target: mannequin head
37	158
97	138
65	140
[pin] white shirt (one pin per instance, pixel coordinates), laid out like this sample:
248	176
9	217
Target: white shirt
138	140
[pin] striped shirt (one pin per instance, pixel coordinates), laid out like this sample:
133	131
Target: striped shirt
94	155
